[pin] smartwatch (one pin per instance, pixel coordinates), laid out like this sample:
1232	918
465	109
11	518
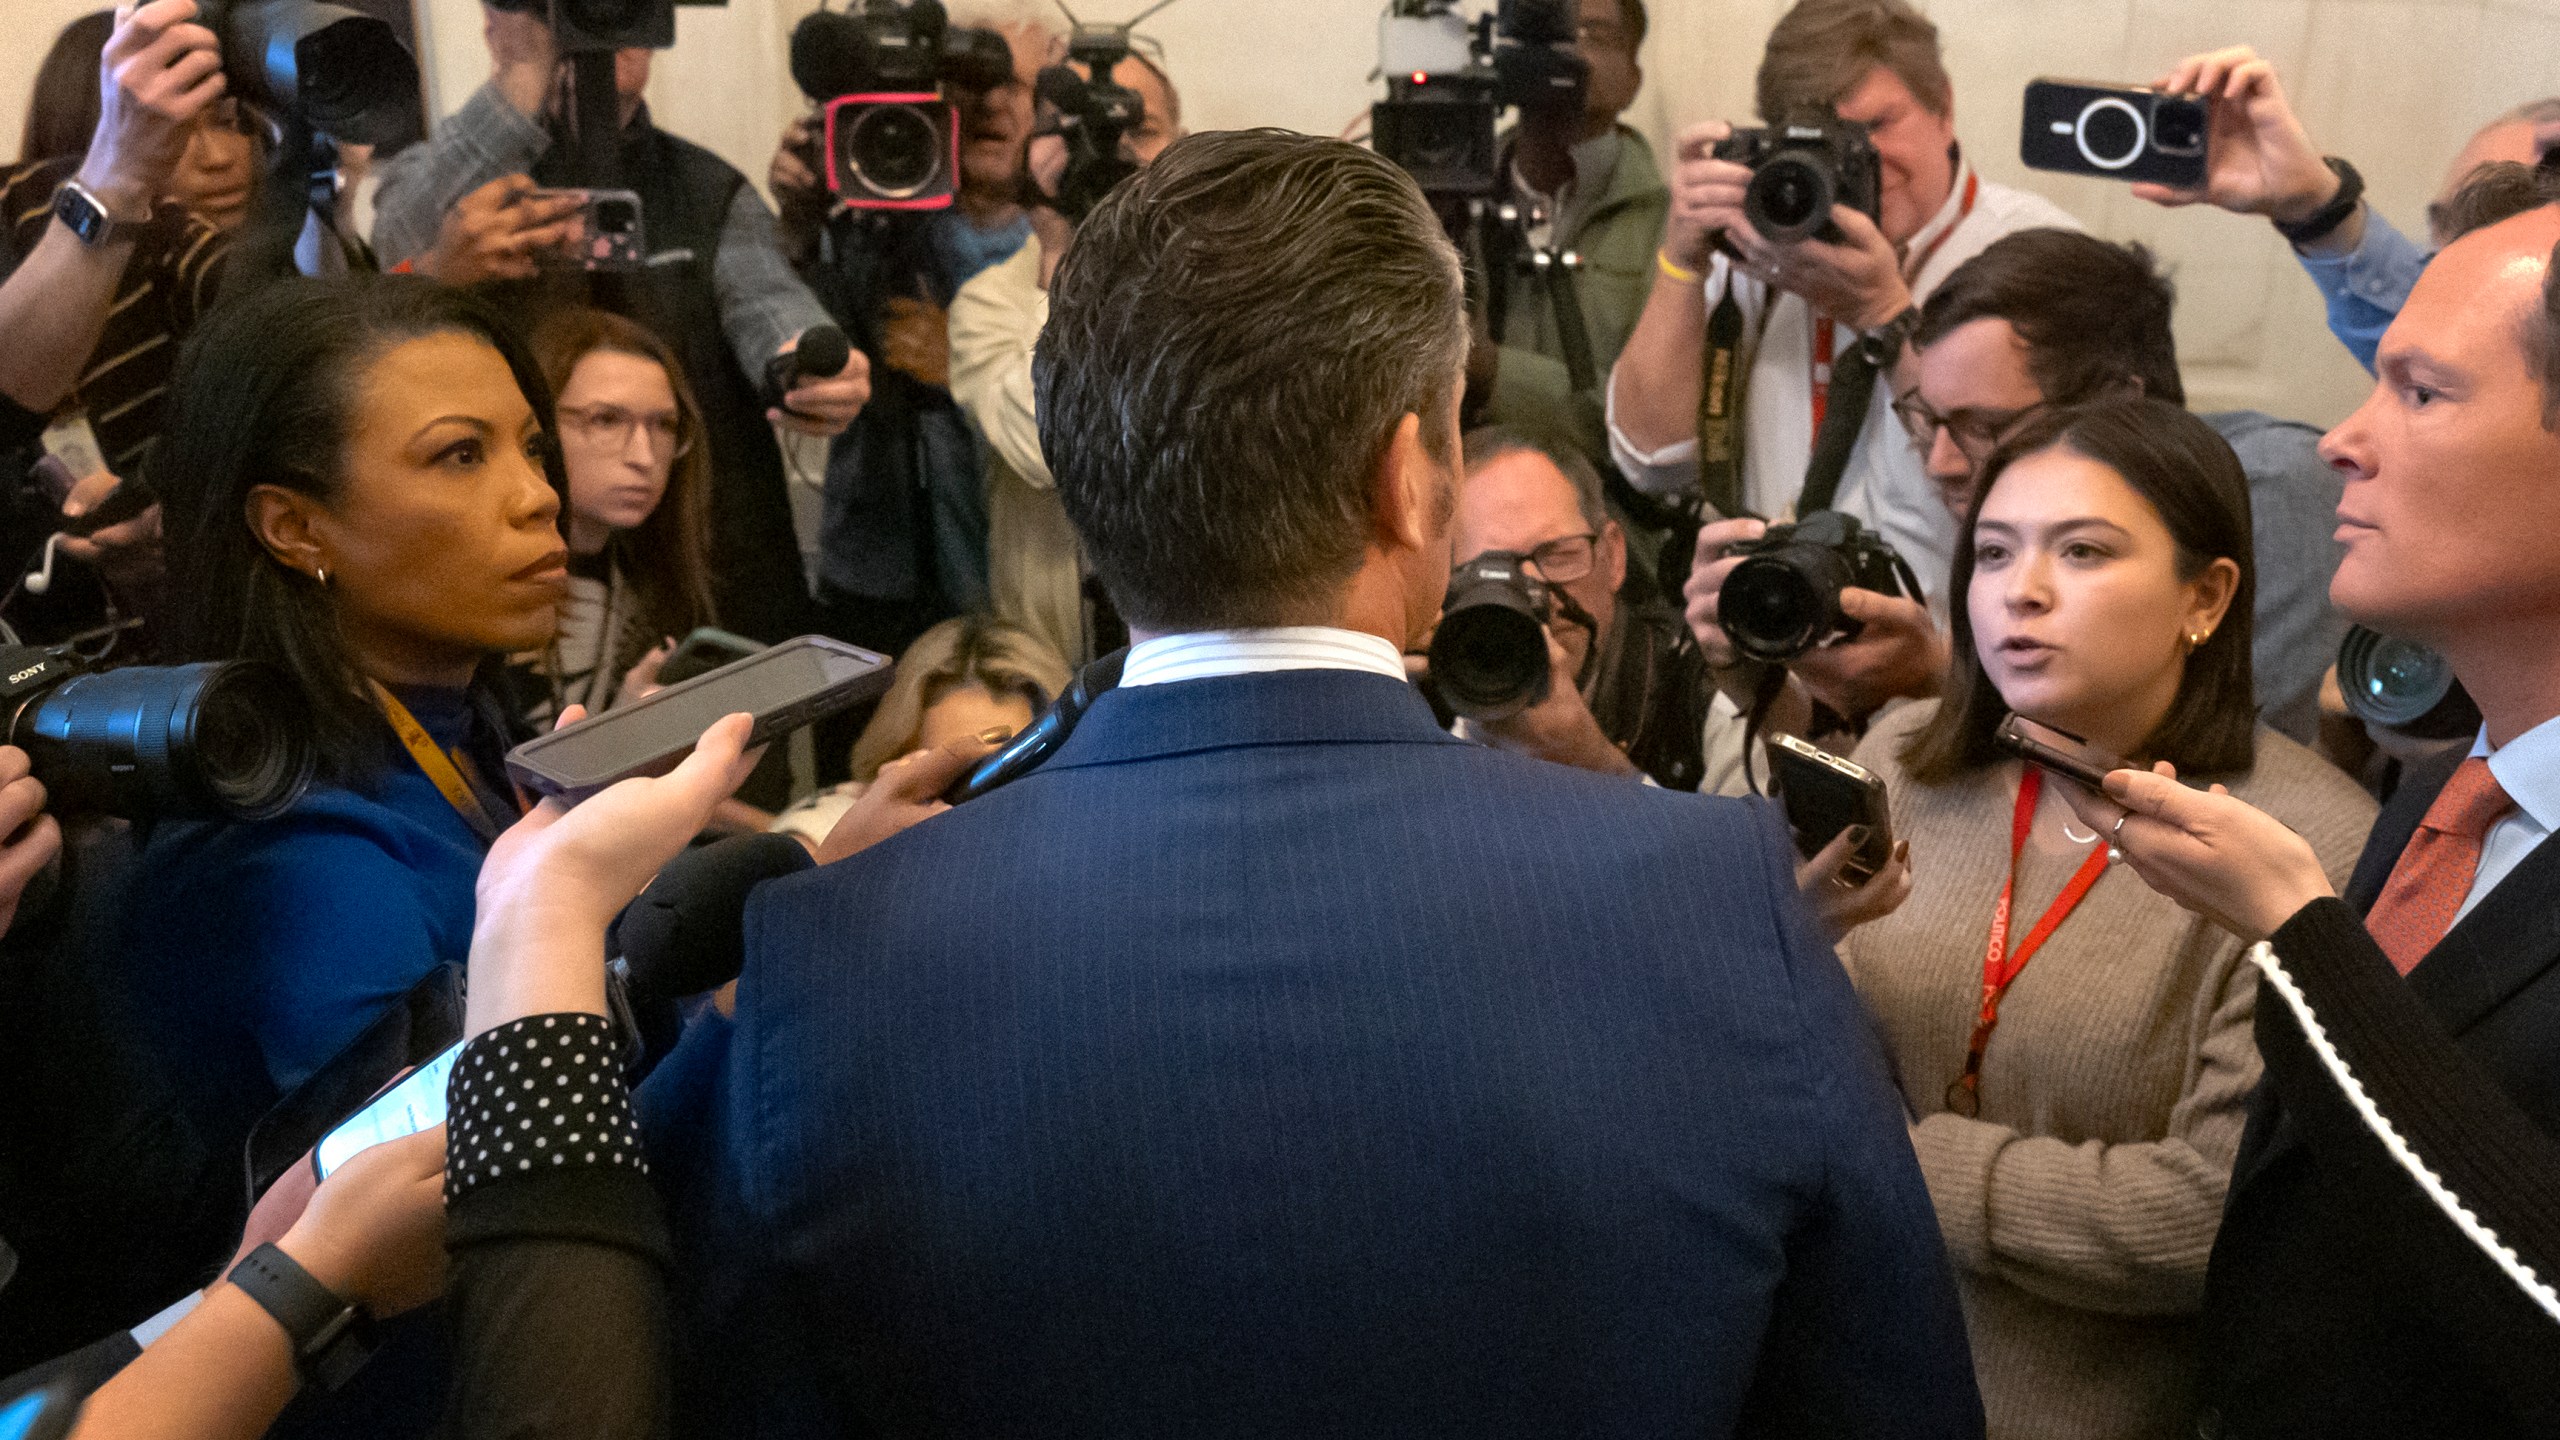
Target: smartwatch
2321	222
85	215
331	1339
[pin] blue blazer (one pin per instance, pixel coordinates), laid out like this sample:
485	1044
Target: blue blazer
1273	1063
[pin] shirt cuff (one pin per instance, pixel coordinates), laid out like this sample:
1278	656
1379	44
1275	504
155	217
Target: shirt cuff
545	1091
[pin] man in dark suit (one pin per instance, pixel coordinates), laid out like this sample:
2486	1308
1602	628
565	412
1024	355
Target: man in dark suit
1271	1062
2348	1296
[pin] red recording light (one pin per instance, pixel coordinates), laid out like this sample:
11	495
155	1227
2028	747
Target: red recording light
1421	77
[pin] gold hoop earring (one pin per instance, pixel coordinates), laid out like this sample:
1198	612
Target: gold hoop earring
2196	641
321	574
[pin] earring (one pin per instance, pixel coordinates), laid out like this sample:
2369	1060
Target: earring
321	574
2196	641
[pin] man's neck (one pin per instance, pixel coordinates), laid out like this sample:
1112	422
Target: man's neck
1545	158
988	209
2512	671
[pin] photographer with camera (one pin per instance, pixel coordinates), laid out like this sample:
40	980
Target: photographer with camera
1876	206
1616	685
1036	569
2262	162
732	309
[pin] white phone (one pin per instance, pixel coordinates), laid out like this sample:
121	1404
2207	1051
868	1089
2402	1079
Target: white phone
414	1104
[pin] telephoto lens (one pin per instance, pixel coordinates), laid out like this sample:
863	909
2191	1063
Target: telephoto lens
1489	656
345	72
1784	599
223	740
2403	687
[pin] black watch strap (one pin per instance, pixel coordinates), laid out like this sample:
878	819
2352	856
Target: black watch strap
2320	223
1884	343
331	1338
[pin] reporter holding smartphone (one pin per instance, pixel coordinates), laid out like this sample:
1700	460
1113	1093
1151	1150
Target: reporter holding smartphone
2077	1153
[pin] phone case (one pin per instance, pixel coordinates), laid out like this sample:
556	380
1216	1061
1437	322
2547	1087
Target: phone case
2087	766
1824	795
2114	132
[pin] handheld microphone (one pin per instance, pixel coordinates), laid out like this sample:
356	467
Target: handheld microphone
686	933
822	351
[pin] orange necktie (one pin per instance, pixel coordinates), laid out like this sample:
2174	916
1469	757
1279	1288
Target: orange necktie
2434	875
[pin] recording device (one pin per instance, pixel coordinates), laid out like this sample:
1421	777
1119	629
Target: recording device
1824	795
822	351
606	232
2404	687
1489	653
1785	598
221	740
892	139
1092	112
586	27
788	686
1800	170
129	499
1039	740
2057	752
1448	77
2115	132
685	934
705	650
343	72
422	1024
414	1103
46	1412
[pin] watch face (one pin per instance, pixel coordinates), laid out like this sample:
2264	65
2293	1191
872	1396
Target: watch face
84	216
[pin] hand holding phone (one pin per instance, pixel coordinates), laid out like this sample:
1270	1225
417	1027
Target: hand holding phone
2058	752
2115	132
1824	795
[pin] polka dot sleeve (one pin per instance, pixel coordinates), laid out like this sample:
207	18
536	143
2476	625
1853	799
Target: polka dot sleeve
545	1091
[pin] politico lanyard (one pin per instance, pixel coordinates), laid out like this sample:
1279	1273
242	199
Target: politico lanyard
1826	338
435	764
2000	969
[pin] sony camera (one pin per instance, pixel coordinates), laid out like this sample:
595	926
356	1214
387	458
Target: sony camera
1802	168
892	139
1448	78
228	740
1489	655
345	73
1784	599
580	27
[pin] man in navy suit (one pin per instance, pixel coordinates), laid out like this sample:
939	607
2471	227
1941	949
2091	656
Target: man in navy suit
1271	1062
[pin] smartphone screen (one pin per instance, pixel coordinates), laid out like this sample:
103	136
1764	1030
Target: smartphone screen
415	1104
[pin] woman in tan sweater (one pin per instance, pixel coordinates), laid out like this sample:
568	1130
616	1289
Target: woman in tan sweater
2106	590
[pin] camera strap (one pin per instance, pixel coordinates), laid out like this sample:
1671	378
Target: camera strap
2000	968
440	768
1720	406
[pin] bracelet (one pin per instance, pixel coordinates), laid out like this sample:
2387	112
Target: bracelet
1675	269
2323	222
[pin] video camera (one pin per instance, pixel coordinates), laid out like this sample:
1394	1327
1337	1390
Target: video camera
341	72
228	740
1448	77
1800	169
1785	598
1094	113
586	27
892	139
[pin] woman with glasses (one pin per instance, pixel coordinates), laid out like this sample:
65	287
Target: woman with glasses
638	517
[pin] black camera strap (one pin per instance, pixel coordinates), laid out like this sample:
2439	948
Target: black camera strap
1853	391
1720	398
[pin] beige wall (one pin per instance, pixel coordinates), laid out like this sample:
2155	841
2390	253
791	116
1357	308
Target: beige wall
2395	84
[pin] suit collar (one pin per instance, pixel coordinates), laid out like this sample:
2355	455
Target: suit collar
1290	707
2507	941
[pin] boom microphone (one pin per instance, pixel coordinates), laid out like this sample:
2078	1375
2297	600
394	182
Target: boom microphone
686	933
822	351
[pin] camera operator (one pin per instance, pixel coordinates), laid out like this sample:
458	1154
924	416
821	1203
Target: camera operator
1036	571
226	148
735	287
1802	330
1627	692
1587	186
2264	163
903	542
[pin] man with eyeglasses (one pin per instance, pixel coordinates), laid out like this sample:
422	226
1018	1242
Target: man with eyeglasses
1630	691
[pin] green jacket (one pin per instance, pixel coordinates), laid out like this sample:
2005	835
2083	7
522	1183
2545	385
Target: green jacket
1617	241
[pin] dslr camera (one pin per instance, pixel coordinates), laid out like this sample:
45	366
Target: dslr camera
1448	77
1489	656
1092	113
343	72
892	139
1784	598
228	740
584	27
1800	169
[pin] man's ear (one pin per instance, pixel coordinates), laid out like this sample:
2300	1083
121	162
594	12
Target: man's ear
287	523
1613	556
1404	493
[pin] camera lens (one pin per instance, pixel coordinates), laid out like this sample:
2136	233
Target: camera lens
1778	605
1789	199
2403	687
2111	133
2178	127
895	150
1489	656
617	217
229	740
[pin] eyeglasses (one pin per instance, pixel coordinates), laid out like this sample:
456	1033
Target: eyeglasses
1561	562
609	427
1976	432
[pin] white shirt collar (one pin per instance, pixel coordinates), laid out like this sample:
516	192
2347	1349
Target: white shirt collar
2528	769
1949	216
1208	654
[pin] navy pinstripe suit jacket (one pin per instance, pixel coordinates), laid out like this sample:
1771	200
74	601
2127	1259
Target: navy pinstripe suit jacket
1272	1063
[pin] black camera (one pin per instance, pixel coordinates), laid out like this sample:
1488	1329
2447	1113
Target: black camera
1092	112
580	27
1489	656
345	73
228	740
1449	77
1800	169
1784	599
2403	687
892	139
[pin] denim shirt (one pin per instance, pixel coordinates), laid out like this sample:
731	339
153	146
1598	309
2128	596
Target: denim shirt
2366	287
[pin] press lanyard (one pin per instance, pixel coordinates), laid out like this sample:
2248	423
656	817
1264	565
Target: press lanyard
1826	335
435	764
2000	969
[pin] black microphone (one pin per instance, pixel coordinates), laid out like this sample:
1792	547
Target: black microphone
827	57
686	933
822	351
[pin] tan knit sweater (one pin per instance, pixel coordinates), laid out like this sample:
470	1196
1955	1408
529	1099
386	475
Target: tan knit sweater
2080	1206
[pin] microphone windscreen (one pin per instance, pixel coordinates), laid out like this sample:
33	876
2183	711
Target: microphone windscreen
823	351
687	932
826	57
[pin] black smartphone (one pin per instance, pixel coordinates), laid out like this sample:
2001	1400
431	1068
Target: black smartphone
413	1104
130	498
1824	795
703	651
2115	132
422	1024
2057	751
785	687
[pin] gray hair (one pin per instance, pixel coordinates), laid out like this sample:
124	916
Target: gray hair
1488	443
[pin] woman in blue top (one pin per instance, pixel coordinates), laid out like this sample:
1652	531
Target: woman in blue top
360	487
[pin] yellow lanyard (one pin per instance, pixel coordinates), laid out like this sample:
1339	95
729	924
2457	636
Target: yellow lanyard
435	764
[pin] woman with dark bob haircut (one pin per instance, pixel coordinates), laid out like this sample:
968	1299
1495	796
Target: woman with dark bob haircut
360	487
2076	1124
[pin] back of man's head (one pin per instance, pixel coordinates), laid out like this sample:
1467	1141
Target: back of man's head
1233	340
1822	49
2092	315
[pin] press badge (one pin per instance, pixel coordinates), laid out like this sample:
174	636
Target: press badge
70	440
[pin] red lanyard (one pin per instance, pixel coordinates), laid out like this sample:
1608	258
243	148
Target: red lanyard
2000	969
1826	338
